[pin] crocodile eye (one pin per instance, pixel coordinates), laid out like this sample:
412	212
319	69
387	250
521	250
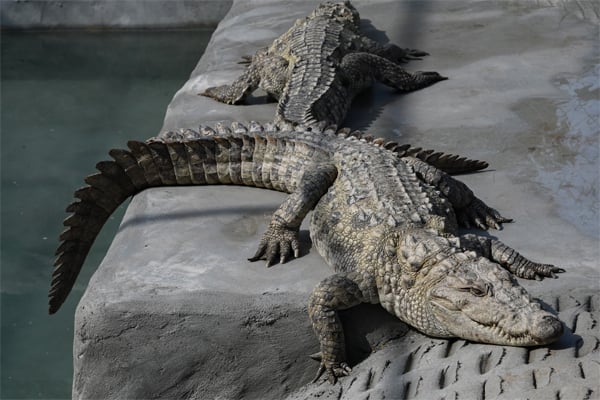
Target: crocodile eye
475	291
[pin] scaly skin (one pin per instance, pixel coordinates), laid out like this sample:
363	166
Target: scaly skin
386	223
319	65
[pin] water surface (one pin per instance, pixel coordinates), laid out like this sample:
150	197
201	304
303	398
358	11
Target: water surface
67	98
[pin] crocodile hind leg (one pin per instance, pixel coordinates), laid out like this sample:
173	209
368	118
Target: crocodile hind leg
360	69
469	209
508	257
337	292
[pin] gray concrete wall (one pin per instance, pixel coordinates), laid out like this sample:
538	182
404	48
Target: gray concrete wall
111	14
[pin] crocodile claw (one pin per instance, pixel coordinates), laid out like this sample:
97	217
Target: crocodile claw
222	94
539	271
554	271
413	54
478	214
401	55
278	244
431	76
334	371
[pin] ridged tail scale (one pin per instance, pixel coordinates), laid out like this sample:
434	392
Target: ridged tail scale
239	160
449	163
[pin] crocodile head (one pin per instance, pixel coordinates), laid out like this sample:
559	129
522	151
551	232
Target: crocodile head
479	300
461	294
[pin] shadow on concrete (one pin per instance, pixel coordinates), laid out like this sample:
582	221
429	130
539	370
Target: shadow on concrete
367	327
246	211
368	106
145	219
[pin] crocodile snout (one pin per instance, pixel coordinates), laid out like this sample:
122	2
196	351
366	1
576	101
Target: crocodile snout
546	328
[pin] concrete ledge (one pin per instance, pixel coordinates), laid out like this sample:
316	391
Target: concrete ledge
156	323
176	311
111	14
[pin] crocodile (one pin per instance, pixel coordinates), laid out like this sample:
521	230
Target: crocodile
319	65
387	223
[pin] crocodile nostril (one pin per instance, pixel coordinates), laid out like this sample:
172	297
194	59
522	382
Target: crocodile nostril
548	329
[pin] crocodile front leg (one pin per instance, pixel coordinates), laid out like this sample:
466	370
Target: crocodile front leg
281	238
337	292
508	257
265	71
238	90
360	69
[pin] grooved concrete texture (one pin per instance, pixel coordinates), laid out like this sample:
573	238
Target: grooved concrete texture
175	310
110	14
417	367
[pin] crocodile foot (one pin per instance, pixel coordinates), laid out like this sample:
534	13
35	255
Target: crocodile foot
430	77
404	55
333	370
222	93
478	214
277	242
521	266
537	271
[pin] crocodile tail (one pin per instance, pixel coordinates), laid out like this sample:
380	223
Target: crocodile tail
105	191
225	160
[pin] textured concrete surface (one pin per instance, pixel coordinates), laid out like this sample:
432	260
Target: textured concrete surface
174	329
110	14
175	310
417	367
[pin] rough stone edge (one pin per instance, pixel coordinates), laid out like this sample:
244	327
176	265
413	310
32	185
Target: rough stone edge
191	372
197	342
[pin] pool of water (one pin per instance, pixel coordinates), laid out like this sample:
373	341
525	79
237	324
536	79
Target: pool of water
67	98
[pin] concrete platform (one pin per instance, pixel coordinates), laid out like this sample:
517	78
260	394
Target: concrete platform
175	310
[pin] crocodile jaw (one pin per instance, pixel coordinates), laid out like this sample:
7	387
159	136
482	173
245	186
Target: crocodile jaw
490	307
542	327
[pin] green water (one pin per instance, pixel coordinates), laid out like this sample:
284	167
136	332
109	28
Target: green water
66	98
